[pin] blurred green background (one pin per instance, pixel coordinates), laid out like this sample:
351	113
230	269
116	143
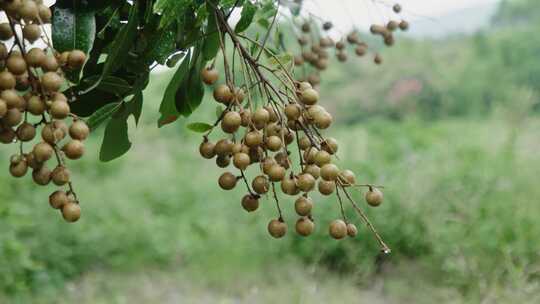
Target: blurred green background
449	125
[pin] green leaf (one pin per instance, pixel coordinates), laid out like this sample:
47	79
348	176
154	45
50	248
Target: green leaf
199	127
173	60
246	17
115	140
134	107
162	43
189	95
219	110
110	84
101	115
211	43
73	28
168	105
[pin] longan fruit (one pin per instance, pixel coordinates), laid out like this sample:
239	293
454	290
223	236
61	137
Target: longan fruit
7	135
323	120
315	110
231	122
71	212
51	81
241	161
43	152
5	31
392	25
12	99
59	109
26	132
223	161
377	59
304	226
206	149
238	95
337	229
12	118
326	42
260	118
273	129
389	40
238	147
227	181
223	94
41	176
260	184
79	130
327	187
45	13
288	186
293	111
304	143
304	85
209	75
341	56
74	149
31	32
32	162
352	231
329	172
35	57
58	199
250	203
7	80
309	97
63	58
306	182
404	25
246	117
282	159
3	108
352	38
327	25
256	154
303	206
223	147
347	178
16	65
253	139
29	10
273	143
52	135
396	8
49	64
277	228
266	163
23	82
302	40
374	197
60	175
76	59
276	173
3	51
322	64
309	155
330	145
322	158
313	170
360	50
18	167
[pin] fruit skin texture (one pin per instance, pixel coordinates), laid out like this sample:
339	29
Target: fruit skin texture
306	182
337	229
227	181
206	149
71	212
76	59
79	130
74	149
303	206
352	231
250	203
374	197
309	97
327	187
304	226
260	184
43	152
223	94
58	199
277	228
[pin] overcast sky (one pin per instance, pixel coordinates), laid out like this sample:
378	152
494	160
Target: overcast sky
363	12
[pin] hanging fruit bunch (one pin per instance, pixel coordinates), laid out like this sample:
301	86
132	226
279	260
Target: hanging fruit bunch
35	115
272	124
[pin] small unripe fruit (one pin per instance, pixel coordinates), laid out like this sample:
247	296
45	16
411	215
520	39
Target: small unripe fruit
250	203
41	176
74	149
338	229
282	159
26	132
323	120
374	197
309	155
276	173
209	75
206	149
273	143
246	117
71	212
309	97
277	228
238	95
303	206
59	109
304	226
51	81
227	181
260	184
352	231
12	99
60	175
341	56
76	59
360	50
79	130
241	160
392	25
327	187
231	122
43	152
329	172
58	199
306	182
223	94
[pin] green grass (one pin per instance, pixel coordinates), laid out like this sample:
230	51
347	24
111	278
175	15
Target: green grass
460	214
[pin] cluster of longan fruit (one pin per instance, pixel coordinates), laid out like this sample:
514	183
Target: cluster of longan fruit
33	110
315	44
263	137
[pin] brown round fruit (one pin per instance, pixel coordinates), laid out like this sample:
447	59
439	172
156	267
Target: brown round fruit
16	65
303	206
329	172
306	182
260	184
35	105
60	175
227	181
304	226
309	97
338	229
206	149
51	81
223	147
26	132
288	186
374	197
276	173
250	203
241	160
41	176
231	122
277	228
327	187
58	199
352	231
79	130
347	178
71	212
209	75
74	149
43	152
76	59
18	168
59	109
223	94
31	32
